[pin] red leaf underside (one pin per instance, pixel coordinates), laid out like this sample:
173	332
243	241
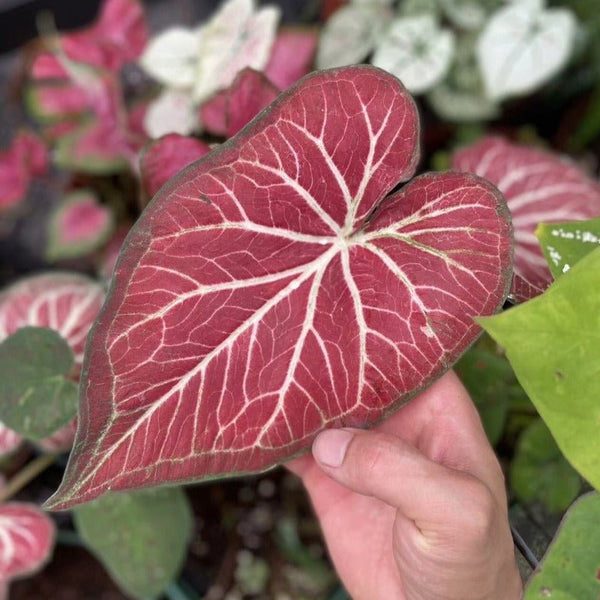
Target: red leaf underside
258	300
539	187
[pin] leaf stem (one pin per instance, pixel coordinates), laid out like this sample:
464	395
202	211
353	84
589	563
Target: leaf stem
29	472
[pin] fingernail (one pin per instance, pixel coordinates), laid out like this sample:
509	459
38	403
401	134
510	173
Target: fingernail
329	448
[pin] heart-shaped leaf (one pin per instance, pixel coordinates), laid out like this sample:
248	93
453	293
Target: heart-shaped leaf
417	51
27	536
165	157
67	303
273	290
78	225
351	33
539	187
565	244
523	46
37	398
140	537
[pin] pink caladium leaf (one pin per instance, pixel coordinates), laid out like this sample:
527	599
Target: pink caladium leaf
78	225
292	56
66	302
26	540
165	157
25	159
85	110
9	440
539	187
118	37
275	288
249	93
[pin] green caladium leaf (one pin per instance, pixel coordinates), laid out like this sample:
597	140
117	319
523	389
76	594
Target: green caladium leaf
564	244
487	376
140	537
553	344
36	397
540	472
570	568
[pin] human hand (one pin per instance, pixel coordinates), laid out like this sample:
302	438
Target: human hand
415	509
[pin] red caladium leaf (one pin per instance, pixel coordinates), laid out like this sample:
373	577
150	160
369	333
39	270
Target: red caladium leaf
26	158
274	289
292	56
26	539
65	302
231	110
540	187
167	156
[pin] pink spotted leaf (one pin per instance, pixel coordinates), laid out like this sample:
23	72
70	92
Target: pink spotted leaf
165	157
539	187
78	226
26	540
276	288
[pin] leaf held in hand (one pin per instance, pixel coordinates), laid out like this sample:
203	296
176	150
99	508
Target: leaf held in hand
275	289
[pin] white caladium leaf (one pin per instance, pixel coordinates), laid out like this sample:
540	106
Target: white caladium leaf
172	112
171	57
350	35
468	14
238	36
416	51
278	286
523	46
26	539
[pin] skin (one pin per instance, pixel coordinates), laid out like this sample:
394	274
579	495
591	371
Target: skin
416	508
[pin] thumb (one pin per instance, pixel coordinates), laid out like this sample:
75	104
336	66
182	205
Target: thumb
386	467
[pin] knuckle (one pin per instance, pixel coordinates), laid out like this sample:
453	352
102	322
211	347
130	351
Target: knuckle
479	512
